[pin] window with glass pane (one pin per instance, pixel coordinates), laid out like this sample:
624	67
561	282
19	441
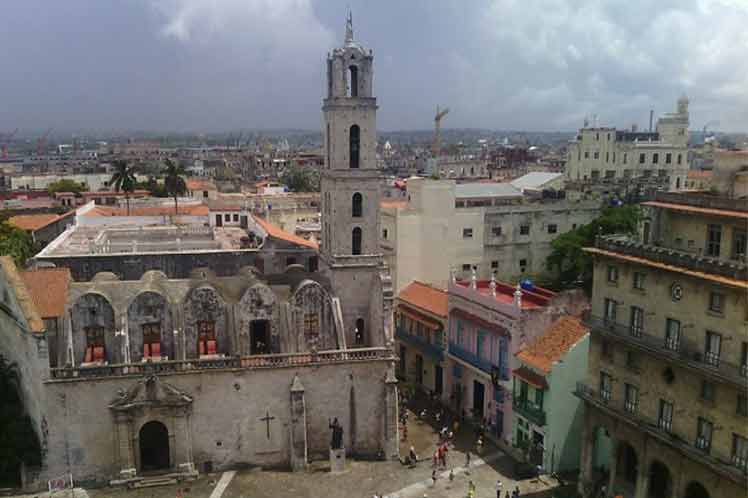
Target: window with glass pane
739	243
612	274
742	406
713	240
206	337
704	430
740	451
311	323
713	348
716	302
665	419
707	390
631	399
637	321
672	334
95	345
744	359
610	310
606	386
639	281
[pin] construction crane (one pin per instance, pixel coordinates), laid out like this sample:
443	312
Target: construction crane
41	142
5	139
438	130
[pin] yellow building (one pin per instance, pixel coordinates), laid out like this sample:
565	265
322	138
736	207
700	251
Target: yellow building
666	390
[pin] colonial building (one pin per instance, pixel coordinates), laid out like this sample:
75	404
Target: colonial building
190	348
489	322
667	386
607	161
491	227
547	416
421	322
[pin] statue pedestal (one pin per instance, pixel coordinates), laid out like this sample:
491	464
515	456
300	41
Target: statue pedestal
337	460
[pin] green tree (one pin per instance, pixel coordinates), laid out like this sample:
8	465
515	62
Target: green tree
123	179
573	266
16	243
174	181
299	179
20	443
66	185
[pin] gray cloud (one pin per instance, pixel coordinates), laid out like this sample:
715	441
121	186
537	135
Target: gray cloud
204	65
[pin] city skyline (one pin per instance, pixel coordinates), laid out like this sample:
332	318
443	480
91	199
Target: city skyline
193	65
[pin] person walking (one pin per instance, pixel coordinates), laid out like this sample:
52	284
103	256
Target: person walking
413	457
433	477
516	492
467	462
471	489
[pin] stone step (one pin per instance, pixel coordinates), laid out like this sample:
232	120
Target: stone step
155	481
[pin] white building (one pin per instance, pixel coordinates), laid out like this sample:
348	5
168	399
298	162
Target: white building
604	160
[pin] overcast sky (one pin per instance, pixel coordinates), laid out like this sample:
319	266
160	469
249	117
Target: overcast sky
212	65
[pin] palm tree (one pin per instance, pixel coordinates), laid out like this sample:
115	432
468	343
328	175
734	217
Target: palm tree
123	179
174	181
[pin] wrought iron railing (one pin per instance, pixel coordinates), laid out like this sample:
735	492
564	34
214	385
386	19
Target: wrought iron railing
432	349
727	465
473	359
529	410
673	348
229	362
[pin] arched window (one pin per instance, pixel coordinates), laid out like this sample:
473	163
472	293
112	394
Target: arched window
360	332
355	145
353	81
357	208
356	241
677	183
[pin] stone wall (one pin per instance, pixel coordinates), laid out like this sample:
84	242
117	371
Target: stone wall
224	421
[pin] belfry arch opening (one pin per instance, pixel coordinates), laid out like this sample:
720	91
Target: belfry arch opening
352	81
354	146
357	209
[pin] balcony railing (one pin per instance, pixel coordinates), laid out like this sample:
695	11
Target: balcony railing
431	349
630	247
254	362
674	349
722	463
476	361
529	410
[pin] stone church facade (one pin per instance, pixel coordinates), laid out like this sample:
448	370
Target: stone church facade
211	372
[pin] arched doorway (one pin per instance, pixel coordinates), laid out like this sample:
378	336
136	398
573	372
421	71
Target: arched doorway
660	482
154	447
696	490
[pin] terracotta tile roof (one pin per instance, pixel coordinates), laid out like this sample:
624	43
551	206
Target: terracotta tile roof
543	351
188	210
196	184
279	233
393	204
36	324
698	210
425	297
32	222
49	290
733	282
534	379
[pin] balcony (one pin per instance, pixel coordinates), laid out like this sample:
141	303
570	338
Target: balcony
680	351
529	410
254	362
435	351
474	360
721	463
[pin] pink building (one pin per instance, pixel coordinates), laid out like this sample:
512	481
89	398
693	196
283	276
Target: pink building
489	322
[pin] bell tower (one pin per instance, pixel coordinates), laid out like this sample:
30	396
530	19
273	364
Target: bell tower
350	185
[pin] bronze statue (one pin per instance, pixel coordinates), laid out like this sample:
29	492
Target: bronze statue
337	434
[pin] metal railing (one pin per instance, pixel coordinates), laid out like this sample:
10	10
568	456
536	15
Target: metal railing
727	465
431	349
529	410
253	362
674	348
473	359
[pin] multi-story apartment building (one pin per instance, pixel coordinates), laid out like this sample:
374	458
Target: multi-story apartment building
607	161
421	319
489	322
667	387
490	227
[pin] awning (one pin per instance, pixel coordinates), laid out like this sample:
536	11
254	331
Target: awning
484	324
419	317
534	379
